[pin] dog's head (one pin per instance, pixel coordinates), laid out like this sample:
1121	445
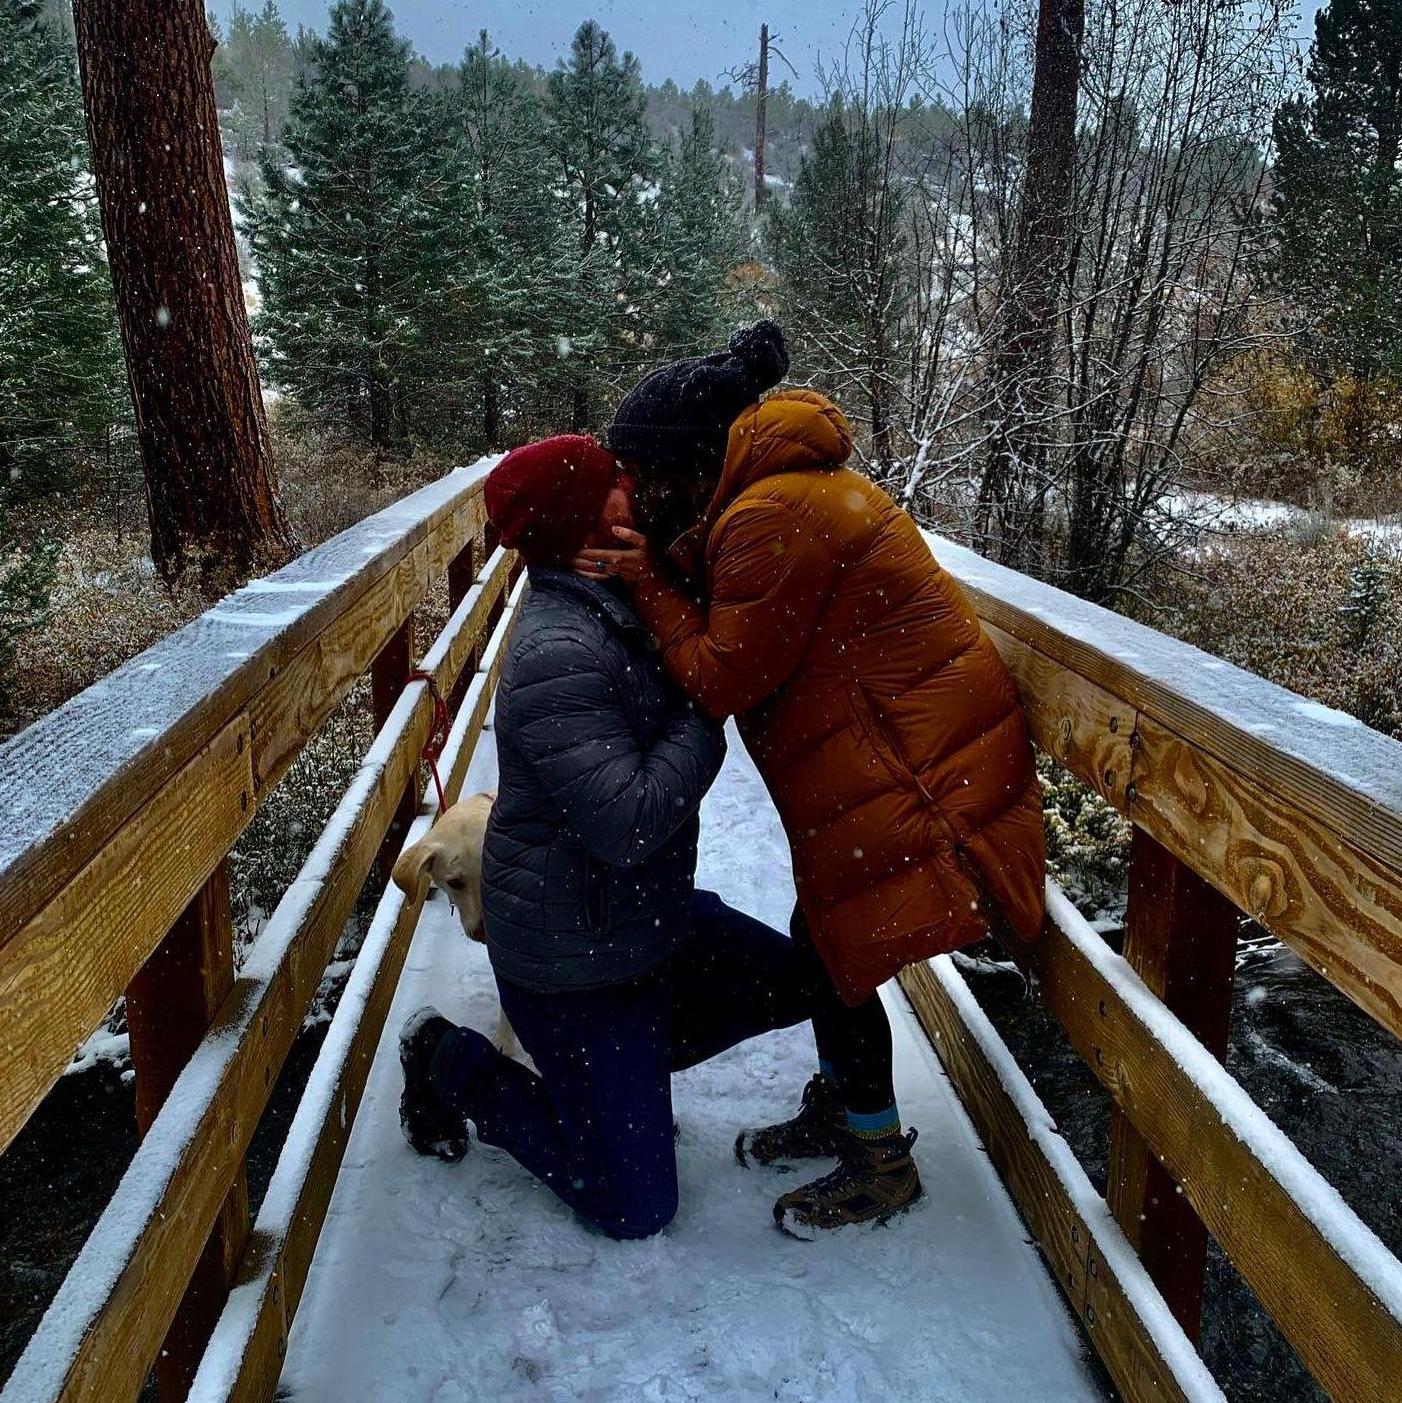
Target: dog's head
450	856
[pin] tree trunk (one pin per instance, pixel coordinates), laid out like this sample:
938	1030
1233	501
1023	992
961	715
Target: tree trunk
1012	496
579	415
761	103
201	427
491	414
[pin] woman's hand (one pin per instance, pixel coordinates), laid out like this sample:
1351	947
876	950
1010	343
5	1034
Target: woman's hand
629	563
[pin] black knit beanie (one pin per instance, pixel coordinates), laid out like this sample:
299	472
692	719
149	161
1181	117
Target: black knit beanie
680	414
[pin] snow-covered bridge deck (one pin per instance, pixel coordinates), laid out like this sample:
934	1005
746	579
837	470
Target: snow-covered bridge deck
437	1283
449	1283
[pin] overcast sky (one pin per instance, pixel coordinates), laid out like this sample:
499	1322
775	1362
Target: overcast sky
679	39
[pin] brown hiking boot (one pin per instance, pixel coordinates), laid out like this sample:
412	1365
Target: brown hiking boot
875	1180
818	1131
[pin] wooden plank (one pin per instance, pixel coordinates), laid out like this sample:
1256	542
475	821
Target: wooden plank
102	1332
314	682
1180	938
388	675
1304	880
1330	1285
1147	1355
64	969
139	725
295	701
462	570
1329	766
254	1330
1081	726
170	1006
1310	884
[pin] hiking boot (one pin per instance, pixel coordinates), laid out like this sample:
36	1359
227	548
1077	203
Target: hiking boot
875	1180
429	1126
818	1131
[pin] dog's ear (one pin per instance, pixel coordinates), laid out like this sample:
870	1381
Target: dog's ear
411	871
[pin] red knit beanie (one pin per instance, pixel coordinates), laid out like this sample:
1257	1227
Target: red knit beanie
546	498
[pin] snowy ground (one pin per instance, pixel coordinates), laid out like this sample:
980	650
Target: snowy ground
443	1284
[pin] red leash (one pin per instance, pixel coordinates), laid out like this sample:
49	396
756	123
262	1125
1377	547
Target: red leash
438	732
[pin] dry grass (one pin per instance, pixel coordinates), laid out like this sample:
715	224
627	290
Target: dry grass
1318	611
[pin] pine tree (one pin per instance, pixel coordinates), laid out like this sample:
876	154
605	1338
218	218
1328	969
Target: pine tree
700	232
504	296
608	167
254	75
350	239
61	377
1339	187
839	247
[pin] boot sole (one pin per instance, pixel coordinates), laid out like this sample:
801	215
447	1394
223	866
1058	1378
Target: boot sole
816	1230
788	1165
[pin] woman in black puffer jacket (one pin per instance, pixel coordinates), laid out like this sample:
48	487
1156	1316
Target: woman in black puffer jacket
612	968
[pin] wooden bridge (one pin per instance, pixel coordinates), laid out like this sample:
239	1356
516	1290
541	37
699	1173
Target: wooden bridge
122	807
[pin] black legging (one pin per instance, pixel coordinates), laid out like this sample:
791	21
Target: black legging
855	1042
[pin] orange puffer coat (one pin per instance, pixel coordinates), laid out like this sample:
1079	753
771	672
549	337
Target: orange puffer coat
878	711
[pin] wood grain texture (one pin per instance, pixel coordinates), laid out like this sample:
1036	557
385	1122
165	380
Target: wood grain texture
274	1274
1245	1180
1180	939
69	782
1307	881
388	675
1081	726
1304	880
295	697
170	1006
1328	766
63	970
1063	1213
101	1335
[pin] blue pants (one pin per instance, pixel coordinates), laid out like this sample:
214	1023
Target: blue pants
596	1124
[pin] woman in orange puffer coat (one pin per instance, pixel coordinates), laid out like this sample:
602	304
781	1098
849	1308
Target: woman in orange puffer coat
879	713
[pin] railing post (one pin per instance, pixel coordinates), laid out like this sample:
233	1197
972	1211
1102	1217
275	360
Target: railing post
462	571
388	674
170	1004
1180	937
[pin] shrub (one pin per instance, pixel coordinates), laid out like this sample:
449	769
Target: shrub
1318	613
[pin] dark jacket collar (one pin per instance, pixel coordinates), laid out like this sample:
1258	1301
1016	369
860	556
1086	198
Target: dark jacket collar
604	597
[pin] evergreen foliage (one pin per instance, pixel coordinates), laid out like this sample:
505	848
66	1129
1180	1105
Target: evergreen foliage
352	238
699	214
1339	188
608	170
253	72
504	299
61	379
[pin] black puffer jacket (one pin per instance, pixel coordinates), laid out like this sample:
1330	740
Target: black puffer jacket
590	857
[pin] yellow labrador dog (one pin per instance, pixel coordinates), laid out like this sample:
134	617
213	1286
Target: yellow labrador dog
450	856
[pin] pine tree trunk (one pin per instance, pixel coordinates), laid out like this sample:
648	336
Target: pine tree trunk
201	426
579	415
1012	496
761	103
491	414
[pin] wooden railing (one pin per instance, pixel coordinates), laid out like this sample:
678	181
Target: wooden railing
124	804
1245	799
121	809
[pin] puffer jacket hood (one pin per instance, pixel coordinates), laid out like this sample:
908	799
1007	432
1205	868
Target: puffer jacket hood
790	431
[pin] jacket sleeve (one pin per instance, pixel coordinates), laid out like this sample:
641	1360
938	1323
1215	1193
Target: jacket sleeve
623	801
770	578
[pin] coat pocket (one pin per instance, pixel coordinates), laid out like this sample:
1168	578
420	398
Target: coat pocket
883	742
